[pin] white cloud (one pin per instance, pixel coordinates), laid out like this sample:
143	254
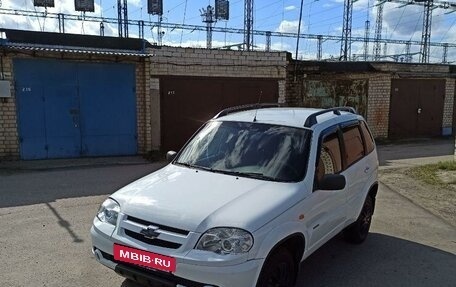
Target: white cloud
289	26
290	8
136	3
50	24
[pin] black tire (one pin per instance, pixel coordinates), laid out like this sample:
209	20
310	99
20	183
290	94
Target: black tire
358	231
280	270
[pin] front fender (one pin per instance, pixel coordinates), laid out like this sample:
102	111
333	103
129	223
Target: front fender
269	238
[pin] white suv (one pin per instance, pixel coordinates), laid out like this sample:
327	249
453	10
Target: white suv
252	194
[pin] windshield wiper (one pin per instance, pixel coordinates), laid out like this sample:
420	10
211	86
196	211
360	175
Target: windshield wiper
194	166
185	164
255	175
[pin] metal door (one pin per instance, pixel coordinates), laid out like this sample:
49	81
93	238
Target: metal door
188	102
31	121
416	108
47	109
61	110
72	109
108	109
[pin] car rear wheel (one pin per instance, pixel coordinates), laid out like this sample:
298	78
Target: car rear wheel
280	270
358	231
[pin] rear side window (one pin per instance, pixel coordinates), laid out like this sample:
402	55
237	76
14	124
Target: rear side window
368	141
330	160
354	146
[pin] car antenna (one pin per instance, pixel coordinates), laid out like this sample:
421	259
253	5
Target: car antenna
258	104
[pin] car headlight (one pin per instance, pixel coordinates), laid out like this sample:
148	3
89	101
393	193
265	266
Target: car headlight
225	240
108	212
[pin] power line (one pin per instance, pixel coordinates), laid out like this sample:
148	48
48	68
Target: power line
191	28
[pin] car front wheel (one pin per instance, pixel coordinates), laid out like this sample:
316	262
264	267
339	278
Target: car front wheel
279	270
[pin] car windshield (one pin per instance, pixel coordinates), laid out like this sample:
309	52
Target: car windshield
262	151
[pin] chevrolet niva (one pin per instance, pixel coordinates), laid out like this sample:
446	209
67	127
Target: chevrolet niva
251	195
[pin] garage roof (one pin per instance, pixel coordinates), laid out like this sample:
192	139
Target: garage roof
74	43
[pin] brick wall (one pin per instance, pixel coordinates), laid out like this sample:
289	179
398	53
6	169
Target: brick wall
448	107
155	131
176	61
378	104
141	107
9	145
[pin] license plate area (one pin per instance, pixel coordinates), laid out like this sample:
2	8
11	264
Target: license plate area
144	258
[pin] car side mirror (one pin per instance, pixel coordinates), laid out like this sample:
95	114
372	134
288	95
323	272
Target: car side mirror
332	182
170	155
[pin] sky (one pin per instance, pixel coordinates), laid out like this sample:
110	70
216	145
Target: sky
319	17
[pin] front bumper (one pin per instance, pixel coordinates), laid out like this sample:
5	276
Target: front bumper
190	275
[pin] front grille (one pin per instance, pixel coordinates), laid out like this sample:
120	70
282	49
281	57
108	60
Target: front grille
155	241
168	237
162	227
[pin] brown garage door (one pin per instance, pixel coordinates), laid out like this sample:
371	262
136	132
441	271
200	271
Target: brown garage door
416	108
188	102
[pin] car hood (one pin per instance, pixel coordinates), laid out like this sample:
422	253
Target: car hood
196	200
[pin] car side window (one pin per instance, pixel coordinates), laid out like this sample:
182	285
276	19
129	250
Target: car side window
353	142
330	160
368	140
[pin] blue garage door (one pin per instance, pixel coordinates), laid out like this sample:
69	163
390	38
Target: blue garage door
72	109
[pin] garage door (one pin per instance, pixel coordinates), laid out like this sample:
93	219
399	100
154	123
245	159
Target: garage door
188	102
416	108
74	109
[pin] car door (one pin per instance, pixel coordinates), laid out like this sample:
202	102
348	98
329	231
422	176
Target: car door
361	161
327	208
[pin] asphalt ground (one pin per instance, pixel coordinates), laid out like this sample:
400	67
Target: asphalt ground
46	214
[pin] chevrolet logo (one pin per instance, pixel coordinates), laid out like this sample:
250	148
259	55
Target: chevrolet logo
150	232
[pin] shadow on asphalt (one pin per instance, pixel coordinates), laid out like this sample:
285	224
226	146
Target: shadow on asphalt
64	224
419	149
26	188
381	260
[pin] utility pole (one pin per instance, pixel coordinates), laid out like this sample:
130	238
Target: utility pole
102	29
119	18
426	33
208	15
319	47
366	40
141	29
248	24
408	57
61	18
125	17
268	41
378	31
445	53
345	46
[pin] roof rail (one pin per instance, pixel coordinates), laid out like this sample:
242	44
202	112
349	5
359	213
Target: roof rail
312	119
248	107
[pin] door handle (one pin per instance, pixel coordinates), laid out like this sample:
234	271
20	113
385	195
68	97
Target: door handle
366	169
